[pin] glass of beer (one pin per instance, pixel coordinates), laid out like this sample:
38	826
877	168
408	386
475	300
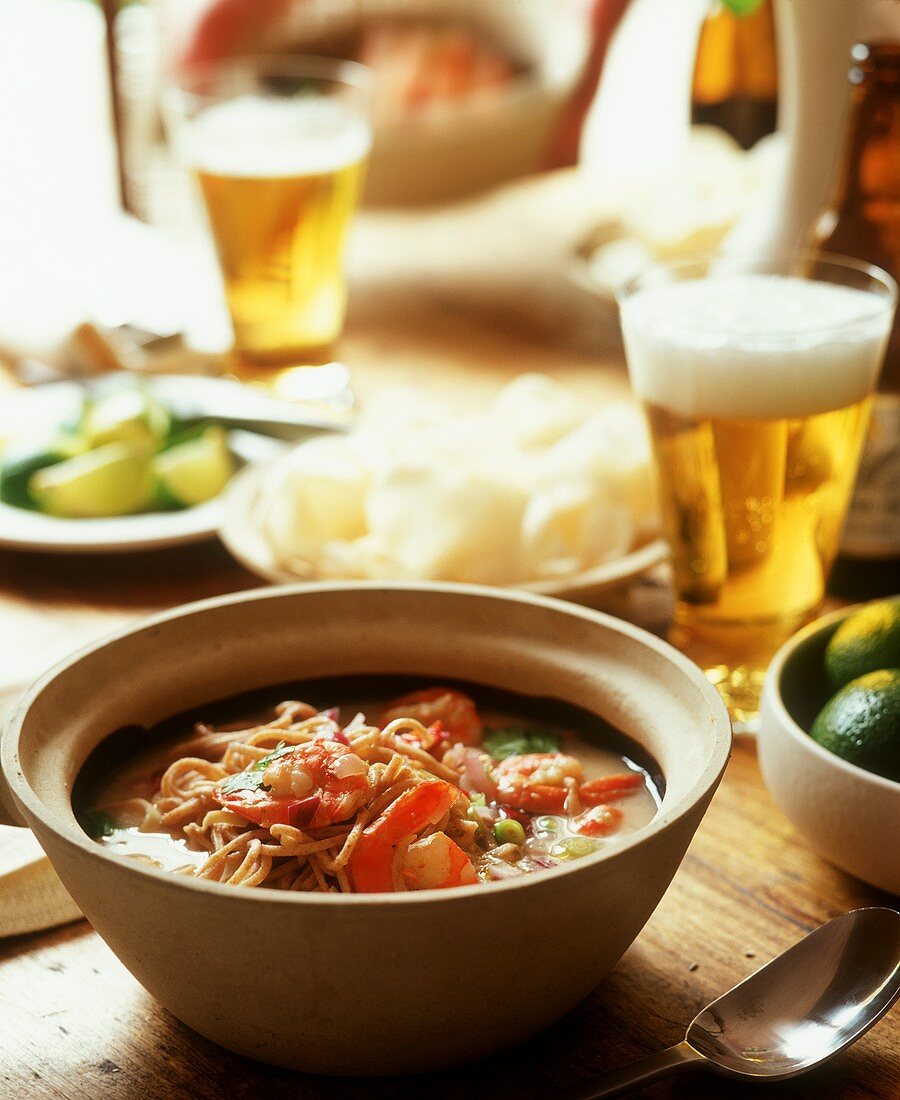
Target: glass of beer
278	147
755	377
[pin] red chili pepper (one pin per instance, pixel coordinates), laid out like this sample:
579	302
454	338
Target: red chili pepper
516	815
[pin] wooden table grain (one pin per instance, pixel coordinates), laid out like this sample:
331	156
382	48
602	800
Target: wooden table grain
457	302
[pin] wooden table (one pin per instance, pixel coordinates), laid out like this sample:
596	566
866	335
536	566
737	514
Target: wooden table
457	302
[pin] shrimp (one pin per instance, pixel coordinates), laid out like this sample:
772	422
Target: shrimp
598	821
436	864
456	713
610	788
318	783
538	781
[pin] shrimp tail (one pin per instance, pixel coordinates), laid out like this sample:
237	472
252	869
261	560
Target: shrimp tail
370	864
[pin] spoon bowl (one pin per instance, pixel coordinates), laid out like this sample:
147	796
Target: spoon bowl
802	1008
808	1003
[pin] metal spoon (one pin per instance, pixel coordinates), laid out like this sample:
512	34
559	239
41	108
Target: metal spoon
227	402
197	399
797	1011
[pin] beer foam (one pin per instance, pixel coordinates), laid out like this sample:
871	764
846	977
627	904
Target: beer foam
755	346
254	136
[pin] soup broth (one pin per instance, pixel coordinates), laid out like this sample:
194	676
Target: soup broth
370	784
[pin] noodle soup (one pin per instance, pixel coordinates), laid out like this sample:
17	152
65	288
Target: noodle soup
369	785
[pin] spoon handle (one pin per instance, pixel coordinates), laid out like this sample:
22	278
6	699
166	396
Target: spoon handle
665	1062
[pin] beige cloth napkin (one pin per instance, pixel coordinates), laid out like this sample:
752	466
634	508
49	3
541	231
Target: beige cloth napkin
31	895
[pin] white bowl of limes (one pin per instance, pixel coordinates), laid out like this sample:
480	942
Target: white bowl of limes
829	739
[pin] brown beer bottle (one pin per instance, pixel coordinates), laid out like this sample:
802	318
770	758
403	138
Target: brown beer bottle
863	220
736	74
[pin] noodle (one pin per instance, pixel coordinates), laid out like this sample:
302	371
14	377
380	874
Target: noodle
303	803
282	856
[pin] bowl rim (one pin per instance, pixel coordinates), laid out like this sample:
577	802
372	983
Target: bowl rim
785	721
67	830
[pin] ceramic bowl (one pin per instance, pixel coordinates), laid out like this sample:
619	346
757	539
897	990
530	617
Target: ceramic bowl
370	984
847	814
479	145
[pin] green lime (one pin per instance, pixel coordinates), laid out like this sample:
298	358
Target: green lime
193	472
126	416
113	480
180	432
865	641
861	723
17	466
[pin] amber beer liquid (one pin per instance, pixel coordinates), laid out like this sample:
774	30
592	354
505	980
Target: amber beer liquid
735	84
281	180
756	389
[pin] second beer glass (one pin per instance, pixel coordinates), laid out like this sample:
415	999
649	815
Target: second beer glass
755	378
278	148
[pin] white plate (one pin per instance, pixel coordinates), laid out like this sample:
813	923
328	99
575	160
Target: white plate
24	530
242	535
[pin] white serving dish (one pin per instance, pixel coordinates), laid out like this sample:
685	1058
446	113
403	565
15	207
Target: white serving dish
241	531
21	529
850	816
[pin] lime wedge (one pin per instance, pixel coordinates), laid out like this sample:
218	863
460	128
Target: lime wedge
193	472
17	466
126	416
113	480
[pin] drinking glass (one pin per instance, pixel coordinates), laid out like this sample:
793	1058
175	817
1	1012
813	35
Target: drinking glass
278	147
755	376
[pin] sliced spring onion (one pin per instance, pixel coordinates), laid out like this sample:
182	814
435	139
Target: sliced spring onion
574	847
508	831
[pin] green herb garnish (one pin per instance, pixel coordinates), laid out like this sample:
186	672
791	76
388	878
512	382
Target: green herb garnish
252	778
517	741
